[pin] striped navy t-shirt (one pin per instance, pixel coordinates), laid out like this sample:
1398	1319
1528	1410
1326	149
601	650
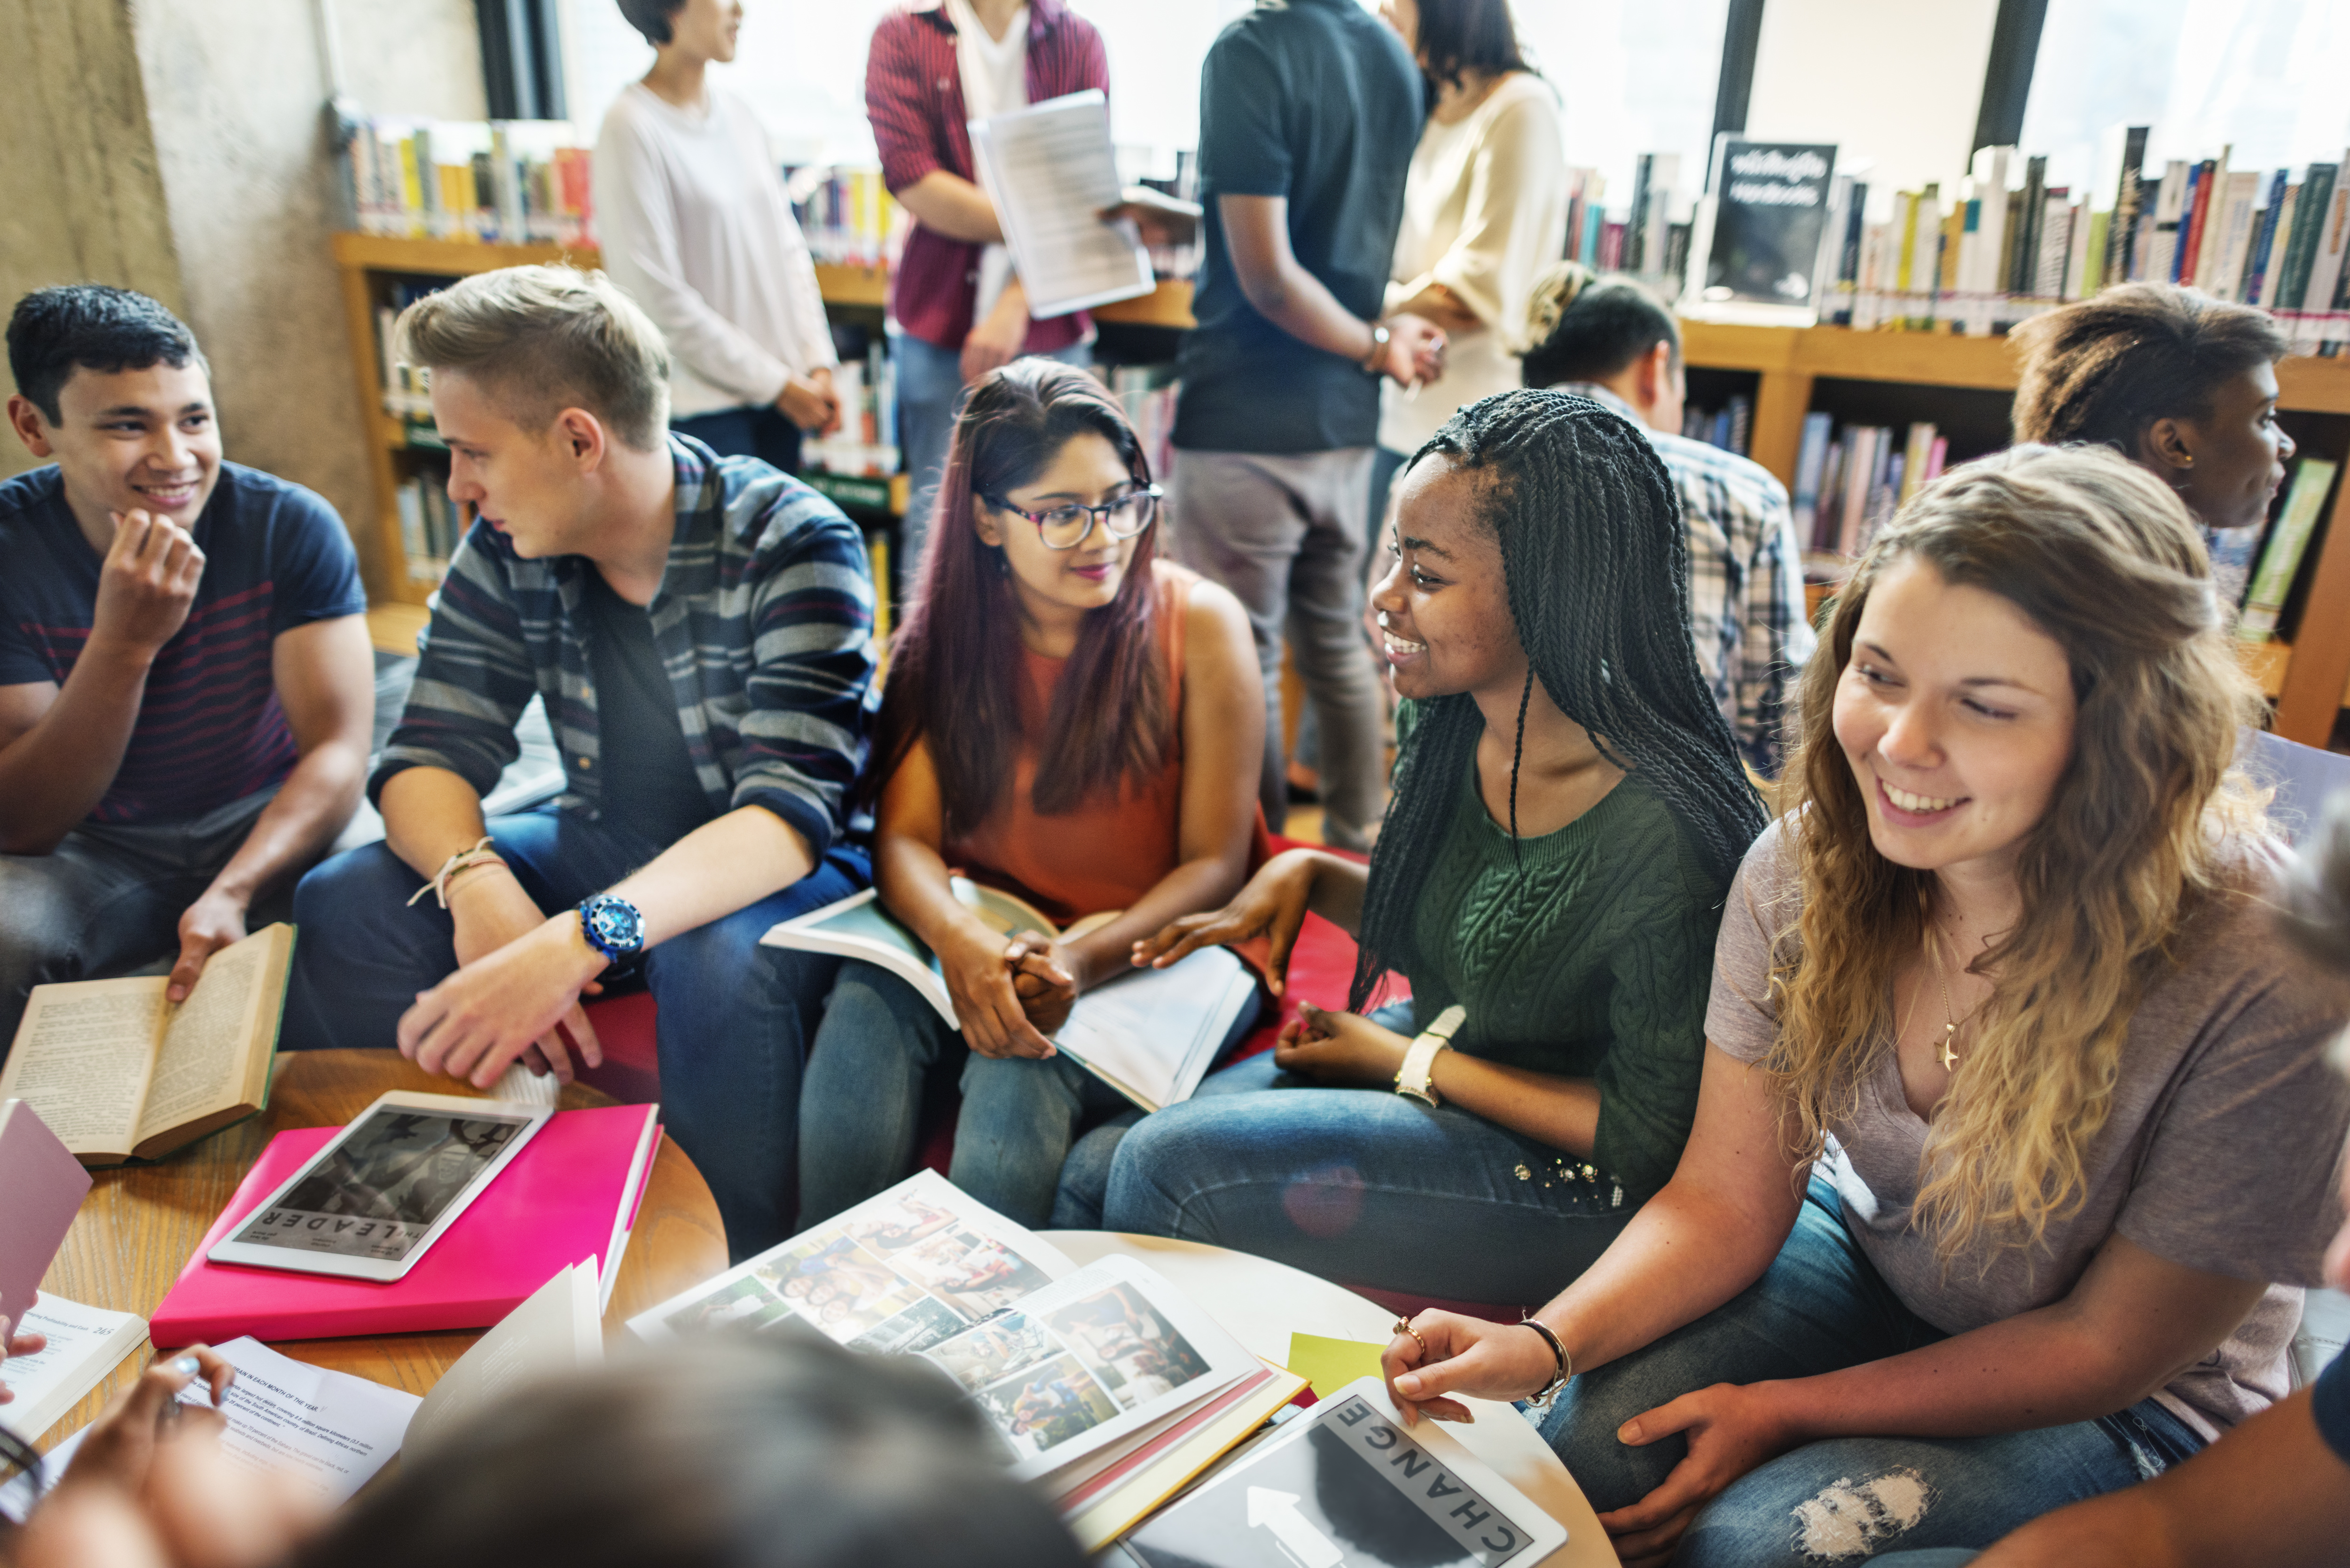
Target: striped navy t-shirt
210	729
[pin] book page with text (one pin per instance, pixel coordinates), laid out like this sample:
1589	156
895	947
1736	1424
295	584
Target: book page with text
1053	170
82	1058
199	1067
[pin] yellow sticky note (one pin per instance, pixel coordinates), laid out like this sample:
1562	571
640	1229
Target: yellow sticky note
1329	1364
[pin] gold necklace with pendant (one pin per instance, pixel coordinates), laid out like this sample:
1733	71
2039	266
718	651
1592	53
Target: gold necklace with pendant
1948	1051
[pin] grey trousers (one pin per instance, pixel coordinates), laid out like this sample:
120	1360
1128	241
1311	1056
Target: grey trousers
1284	533
108	899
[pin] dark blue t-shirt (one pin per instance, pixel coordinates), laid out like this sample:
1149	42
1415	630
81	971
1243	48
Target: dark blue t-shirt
2329	1401
210	729
1316	101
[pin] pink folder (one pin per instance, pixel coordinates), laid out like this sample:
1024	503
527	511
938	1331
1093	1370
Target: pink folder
571	1194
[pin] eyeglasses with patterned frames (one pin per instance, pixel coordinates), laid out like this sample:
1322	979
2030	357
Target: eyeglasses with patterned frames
1066	527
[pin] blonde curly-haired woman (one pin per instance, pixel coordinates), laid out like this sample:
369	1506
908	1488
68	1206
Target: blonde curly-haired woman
2014	1134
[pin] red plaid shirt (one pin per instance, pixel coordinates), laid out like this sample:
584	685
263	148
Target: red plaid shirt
913	93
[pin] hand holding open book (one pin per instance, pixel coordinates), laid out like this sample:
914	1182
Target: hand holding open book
1150	1034
118	1071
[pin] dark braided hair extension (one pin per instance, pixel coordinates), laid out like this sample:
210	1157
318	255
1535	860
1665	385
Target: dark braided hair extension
1594	558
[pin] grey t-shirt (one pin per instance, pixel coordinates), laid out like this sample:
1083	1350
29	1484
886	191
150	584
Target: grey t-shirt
2218	1154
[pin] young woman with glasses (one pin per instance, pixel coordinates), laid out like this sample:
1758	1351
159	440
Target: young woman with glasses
1068	718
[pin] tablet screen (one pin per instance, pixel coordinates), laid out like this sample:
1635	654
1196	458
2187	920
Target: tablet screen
377	1193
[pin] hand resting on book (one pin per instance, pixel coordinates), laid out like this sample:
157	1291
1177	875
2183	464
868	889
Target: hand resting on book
25	1344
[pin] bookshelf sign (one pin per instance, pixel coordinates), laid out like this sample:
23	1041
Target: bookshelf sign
1766	213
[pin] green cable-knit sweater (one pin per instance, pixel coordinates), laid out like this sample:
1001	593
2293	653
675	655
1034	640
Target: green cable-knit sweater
1593	960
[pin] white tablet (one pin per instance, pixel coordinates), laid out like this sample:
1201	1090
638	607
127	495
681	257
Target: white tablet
373	1201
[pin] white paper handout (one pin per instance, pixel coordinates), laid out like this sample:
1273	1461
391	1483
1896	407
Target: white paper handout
1052	170
329	1430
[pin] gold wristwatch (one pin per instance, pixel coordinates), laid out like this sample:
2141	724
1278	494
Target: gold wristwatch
1419	1061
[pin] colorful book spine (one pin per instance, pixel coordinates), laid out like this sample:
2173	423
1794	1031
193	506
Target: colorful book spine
2272	581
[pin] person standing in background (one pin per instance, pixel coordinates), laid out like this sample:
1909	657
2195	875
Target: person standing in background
696	228
1613	342
957	309
1484	210
1308	115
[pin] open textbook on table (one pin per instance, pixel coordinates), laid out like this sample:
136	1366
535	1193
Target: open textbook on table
1151	1034
1075	1368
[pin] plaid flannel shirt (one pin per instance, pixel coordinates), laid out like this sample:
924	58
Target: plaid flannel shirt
765	624
1746	583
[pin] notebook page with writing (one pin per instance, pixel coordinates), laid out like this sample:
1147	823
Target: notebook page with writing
1053	171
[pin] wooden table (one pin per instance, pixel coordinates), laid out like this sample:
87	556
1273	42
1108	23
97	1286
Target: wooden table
1260	1303
141	1224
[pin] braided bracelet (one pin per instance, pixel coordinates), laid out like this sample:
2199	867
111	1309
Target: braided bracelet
480	854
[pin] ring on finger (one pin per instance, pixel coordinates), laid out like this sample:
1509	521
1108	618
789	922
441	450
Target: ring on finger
1403	1326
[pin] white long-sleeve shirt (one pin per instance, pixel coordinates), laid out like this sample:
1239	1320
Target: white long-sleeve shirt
694	223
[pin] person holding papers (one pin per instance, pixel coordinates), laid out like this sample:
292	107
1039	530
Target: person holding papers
1067	717
695	225
957	310
1569	809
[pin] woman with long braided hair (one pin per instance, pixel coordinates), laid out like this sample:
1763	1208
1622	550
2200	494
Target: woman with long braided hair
2015	1138
1568	812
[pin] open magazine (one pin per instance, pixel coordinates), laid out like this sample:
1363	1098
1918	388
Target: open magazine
1151	1036
1064	1362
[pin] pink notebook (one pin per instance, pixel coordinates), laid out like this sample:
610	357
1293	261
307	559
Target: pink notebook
571	1194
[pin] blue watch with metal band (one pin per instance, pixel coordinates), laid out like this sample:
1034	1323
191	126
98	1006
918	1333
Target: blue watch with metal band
613	926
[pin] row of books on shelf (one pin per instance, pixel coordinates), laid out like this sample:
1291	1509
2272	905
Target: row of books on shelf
509	181
2005	244
1729	427
430	525
1848	481
867	442
846	214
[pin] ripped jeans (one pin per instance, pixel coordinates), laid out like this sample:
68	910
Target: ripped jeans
1820	1307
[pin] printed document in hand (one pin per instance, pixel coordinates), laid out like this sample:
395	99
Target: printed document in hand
330	1430
1053	171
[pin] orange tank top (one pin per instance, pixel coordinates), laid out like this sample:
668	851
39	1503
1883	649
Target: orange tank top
1116	845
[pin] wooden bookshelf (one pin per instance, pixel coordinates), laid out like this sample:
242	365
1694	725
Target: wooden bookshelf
2310	680
368	263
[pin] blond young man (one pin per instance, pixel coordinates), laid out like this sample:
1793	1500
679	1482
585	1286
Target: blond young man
701	632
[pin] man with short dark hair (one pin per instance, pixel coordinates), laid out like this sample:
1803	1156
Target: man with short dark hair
701	632
1612	342
186	689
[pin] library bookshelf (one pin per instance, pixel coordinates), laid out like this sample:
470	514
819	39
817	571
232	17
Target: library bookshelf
370	263
2310	680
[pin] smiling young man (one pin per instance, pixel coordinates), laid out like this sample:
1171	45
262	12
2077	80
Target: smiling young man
701	630
186	690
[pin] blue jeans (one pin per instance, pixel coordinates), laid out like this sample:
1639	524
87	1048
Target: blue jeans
762	433
859	1114
1820	1307
733	1015
1360	1186
929	394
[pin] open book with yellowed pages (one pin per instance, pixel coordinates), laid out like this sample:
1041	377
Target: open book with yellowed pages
119	1072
